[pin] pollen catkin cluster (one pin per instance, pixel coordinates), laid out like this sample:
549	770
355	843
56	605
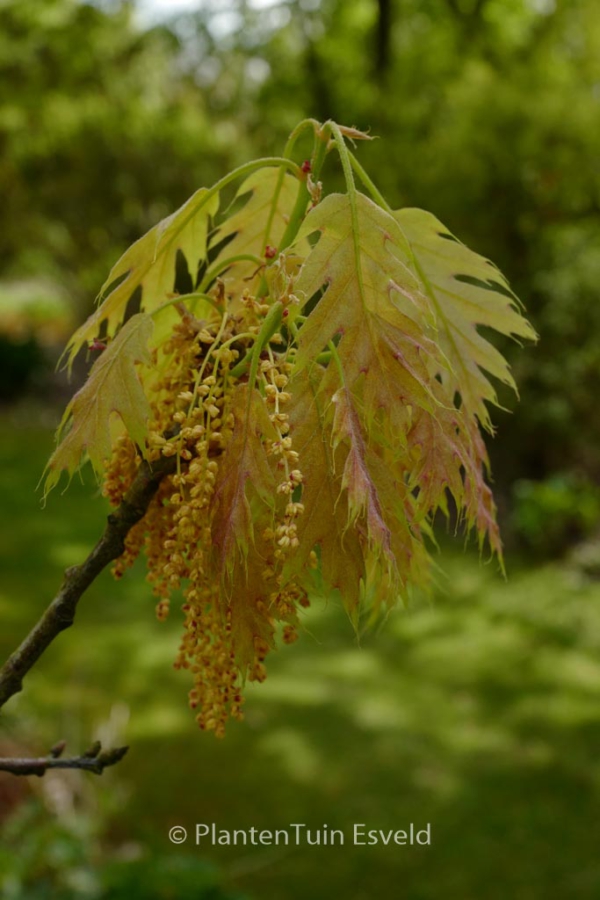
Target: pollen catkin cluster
236	586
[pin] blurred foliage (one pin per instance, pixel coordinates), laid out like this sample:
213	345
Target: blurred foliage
491	108
100	136
556	513
34	309
478	712
35	320
59	853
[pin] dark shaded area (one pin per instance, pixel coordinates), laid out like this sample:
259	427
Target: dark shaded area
20	362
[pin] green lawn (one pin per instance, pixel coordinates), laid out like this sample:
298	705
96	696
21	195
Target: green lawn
477	712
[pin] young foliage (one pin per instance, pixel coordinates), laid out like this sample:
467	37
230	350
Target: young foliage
113	387
465	291
150	265
321	390
269	195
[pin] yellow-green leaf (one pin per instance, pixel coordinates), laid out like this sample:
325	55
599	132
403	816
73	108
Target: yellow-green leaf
465	290
396	423
373	302
324	523
260	222
112	388
150	264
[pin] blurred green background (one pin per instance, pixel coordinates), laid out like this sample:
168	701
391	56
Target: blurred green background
477	710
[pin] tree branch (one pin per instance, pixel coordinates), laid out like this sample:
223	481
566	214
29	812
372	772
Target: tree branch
61	612
93	760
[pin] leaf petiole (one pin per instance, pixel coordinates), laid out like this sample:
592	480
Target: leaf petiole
269	328
180	298
298	130
369	184
214	271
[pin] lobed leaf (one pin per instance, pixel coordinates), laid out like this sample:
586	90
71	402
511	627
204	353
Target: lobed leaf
465	291
260	222
373	302
241	508
379	504
404	444
342	407
244	473
324	523
112	388
149	264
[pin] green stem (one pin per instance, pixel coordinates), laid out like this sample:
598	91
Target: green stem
320	151
370	186
269	327
295	134
301	200
344	154
299	211
180	298
221	265
248	168
351	187
297	216
242	172
212	347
